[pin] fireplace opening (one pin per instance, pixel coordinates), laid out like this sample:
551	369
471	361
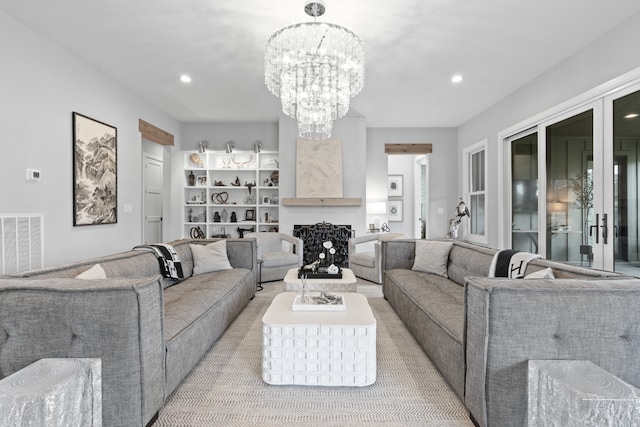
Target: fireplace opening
314	235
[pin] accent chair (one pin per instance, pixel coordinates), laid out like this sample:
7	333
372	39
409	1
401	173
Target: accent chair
279	253
365	255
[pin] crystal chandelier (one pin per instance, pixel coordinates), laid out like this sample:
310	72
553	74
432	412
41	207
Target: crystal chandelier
315	68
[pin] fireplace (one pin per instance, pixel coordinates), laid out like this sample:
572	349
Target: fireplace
314	235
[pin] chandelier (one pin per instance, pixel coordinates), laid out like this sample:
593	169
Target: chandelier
314	68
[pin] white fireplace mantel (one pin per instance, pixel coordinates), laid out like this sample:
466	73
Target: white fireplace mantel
324	201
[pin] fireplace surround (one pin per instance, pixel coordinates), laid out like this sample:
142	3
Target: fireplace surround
314	235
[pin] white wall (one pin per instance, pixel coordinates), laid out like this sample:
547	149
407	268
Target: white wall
40	86
443	176
606	58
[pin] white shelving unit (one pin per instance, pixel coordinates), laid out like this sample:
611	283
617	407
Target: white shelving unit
227	191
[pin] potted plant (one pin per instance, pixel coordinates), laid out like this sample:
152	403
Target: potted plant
582	187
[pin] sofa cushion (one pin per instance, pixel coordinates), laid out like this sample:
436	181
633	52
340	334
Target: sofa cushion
209	258
187	301
278	259
432	257
440	298
469	260
95	272
366	259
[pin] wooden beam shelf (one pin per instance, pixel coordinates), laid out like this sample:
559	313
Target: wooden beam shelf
408	148
322	201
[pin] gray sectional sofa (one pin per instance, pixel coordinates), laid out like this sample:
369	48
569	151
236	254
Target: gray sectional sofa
149	331
480	332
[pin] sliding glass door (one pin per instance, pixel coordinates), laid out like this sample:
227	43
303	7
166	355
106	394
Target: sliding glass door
622	177
575	185
567	143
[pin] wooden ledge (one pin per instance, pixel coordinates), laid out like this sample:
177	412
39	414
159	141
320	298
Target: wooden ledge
325	201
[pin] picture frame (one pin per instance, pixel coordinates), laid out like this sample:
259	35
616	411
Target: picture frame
266	200
394	212
250	215
95	171
395	185
201	181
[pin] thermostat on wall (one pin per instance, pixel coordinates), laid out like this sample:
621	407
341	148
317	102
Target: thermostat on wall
33	175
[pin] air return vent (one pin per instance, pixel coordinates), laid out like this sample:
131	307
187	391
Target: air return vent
21	242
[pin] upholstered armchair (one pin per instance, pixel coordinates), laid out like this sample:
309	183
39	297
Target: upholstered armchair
365	255
279	253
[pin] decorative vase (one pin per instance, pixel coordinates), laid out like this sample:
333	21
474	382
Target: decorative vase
303	290
192	179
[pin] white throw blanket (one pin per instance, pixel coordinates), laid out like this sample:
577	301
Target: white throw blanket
510	263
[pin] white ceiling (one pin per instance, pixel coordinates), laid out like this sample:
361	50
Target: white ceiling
413	47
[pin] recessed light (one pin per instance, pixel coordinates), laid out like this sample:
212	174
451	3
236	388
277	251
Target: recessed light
185	78
456	79
631	116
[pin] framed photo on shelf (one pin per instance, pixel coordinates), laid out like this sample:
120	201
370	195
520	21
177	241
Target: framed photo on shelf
95	167
394	185
201	181
395	210
250	215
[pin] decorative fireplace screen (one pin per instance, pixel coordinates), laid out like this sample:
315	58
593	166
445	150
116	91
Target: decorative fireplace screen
313	236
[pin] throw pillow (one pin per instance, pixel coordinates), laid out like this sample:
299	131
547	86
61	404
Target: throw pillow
209	258
546	273
95	272
432	257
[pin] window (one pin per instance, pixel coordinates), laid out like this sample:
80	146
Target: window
475	169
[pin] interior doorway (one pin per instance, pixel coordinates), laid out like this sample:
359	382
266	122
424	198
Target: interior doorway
410	162
152	178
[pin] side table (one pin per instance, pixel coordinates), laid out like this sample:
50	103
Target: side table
60	392
578	393
259	284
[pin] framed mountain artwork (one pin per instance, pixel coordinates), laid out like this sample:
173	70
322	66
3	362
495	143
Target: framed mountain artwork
95	166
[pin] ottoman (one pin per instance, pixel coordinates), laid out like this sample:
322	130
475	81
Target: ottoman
326	348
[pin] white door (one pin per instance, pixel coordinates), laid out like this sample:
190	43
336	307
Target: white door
152	199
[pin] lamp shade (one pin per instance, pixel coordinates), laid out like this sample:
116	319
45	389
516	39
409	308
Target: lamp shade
376	208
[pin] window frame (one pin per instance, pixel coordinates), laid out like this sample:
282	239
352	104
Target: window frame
468	177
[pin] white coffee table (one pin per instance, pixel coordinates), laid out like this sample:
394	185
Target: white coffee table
348	283
324	348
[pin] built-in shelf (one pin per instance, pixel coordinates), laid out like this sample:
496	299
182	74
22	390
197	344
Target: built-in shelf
324	201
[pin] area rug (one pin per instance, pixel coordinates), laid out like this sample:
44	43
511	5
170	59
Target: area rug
226	388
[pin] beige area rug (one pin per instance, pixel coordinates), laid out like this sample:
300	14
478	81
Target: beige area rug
226	388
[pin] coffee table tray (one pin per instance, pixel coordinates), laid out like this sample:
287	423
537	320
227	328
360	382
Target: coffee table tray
320	273
315	306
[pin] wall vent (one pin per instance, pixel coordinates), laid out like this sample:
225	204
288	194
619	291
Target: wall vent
21	242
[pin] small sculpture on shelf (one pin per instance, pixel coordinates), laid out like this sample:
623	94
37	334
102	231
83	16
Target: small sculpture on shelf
239	163
196	160
275	178
236	183
218	183
249	185
241	231
234	218
220	198
216	217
